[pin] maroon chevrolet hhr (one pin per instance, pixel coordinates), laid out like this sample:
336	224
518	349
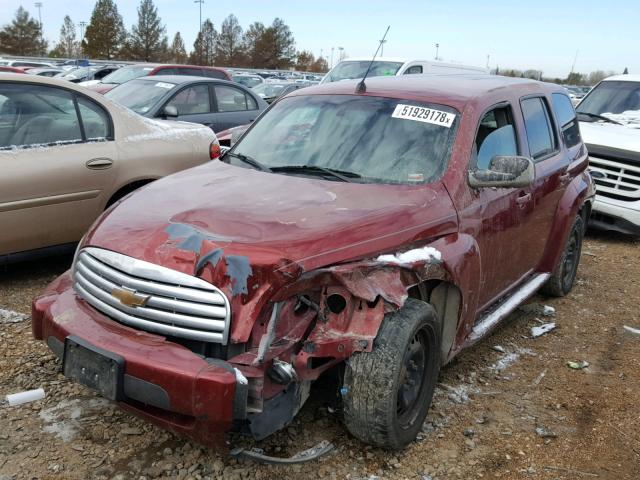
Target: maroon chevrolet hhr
369	233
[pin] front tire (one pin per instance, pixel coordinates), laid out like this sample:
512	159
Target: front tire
564	276
388	391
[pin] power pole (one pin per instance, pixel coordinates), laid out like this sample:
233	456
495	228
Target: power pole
331	66
437	48
573	65
382	42
200	2
341	53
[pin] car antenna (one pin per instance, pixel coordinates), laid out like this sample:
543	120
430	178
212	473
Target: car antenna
361	88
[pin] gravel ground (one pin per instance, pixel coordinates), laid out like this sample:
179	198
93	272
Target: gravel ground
508	408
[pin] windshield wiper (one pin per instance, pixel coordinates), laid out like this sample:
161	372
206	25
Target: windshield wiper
249	161
316	170
599	117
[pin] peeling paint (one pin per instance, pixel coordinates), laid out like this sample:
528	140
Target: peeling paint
192	237
212	258
238	270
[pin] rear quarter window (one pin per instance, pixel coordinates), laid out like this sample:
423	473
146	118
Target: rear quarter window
566	116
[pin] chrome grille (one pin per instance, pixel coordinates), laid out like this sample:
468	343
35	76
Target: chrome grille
621	179
173	303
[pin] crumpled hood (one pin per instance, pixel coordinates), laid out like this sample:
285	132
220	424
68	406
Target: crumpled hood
267	222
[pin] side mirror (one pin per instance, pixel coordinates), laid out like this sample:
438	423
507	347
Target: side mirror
504	172
170	111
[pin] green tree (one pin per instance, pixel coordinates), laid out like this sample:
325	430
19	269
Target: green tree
148	37
105	34
177	52
205	45
22	36
229	45
277	46
251	42
576	78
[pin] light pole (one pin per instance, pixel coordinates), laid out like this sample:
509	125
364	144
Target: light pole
38	5
437	48
382	42
341	53
331	66
82	25
200	2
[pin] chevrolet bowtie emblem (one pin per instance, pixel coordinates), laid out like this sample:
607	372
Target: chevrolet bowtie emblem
130	297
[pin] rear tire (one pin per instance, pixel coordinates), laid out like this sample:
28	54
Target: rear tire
389	390
564	276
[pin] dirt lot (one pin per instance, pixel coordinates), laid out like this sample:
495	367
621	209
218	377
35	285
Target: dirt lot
519	413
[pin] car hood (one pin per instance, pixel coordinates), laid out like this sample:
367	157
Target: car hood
622	137
269	222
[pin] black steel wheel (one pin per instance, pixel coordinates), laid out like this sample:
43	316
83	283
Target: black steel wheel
388	391
564	276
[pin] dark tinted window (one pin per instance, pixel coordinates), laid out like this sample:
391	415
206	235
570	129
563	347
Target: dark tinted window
36	115
195	72
566	116
192	100
167	71
214	74
538	126
496	136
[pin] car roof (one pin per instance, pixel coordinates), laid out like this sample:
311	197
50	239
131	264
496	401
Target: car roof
624	78
453	90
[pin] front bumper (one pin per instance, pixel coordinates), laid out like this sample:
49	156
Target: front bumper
610	214
162	381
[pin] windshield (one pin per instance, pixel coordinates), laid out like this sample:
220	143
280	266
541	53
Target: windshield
617	100
139	95
80	72
382	140
127	73
247	81
351	69
266	90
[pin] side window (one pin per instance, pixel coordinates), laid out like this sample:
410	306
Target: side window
496	136
167	71
414	69
214	74
191	100
94	119
230	99
251	103
566	116
37	115
538	126
195	72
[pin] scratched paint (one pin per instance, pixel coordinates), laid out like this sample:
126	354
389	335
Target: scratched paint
239	271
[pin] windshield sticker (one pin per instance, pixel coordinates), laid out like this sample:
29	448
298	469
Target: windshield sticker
147	69
164	85
423	114
415	177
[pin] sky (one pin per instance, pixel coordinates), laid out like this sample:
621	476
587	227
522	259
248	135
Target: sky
542	34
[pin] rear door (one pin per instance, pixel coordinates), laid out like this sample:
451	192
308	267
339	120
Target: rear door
551	160
234	107
56	152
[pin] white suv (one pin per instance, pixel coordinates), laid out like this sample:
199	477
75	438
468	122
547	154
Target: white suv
610	125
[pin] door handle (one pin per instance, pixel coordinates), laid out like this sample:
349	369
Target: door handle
523	199
565	178
101	163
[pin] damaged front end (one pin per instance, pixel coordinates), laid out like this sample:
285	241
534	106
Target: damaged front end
211	341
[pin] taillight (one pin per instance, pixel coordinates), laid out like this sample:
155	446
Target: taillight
214	151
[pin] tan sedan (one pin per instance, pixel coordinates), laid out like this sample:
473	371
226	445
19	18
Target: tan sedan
67	153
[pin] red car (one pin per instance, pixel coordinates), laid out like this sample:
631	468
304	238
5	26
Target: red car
130	72
367	234
12	69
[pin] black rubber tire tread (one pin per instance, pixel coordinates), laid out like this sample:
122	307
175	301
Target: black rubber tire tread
554	287
371	378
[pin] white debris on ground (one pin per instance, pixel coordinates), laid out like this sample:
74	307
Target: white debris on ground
412	256
14	399
542	329
629	118
631	329
548	311
510	358
65	419
9	316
